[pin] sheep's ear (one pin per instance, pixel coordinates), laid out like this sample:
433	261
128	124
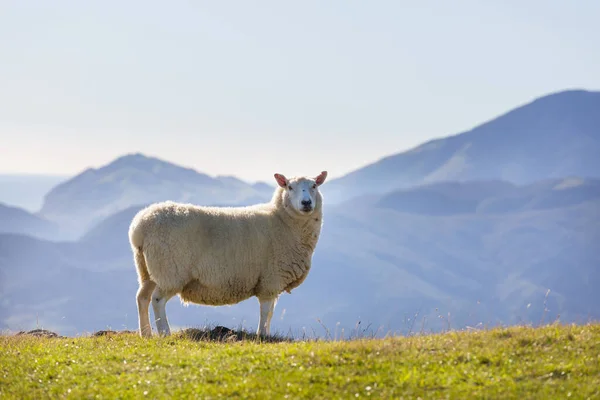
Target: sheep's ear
281	180
321	178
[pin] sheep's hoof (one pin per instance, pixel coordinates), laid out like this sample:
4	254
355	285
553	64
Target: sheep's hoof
145	332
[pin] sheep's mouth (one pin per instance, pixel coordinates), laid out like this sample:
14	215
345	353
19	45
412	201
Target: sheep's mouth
307	209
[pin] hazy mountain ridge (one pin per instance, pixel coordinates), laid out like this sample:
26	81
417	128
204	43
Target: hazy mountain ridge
490	197
505	262
18	220
27	191
89	197
554	136
375	264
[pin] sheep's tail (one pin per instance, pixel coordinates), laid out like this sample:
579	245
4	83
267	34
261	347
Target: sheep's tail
136	239
140	263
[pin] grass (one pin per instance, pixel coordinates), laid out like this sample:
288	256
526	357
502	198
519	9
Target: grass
553	361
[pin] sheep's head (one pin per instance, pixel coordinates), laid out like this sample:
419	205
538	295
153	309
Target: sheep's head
301	196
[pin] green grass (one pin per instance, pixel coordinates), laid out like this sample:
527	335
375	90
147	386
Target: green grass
554	361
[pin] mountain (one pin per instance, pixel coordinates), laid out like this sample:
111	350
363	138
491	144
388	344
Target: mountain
263	187
489	197
496	265
379	262
87	198
17	220
552	137
25	190
50	284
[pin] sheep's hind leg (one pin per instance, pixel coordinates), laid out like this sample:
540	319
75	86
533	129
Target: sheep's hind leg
266	313
144	294
159	302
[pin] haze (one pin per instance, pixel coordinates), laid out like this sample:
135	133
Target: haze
242	89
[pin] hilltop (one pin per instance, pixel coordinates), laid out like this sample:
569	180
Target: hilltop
520	362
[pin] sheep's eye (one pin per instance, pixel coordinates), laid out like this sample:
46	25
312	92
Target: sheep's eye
315	186
289	187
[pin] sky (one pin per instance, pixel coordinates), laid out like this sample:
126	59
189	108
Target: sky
252	88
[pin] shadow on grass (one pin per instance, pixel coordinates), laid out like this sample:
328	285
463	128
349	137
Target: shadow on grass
216	334
111	333
224	334
40	333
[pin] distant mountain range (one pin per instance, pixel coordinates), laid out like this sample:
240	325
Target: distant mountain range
27	191
17	220
472	230
378	262
552	137
490	197
93	195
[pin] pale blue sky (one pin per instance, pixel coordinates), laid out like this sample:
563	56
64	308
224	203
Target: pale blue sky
250	88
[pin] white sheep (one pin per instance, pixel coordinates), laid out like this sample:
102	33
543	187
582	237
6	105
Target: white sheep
218	256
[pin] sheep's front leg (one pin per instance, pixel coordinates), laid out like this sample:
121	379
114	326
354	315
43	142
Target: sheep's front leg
266	313
159	302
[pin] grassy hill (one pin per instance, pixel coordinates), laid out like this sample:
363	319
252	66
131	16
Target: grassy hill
554	361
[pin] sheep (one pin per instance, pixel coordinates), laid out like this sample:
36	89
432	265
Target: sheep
224	255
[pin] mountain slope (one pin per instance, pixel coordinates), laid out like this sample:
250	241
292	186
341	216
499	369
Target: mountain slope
377	262
552	137
135	179
489	197
27	191
17	220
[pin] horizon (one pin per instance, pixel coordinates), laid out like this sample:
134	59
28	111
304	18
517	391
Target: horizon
238	91
8	174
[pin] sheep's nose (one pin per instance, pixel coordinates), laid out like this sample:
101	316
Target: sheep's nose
306	203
